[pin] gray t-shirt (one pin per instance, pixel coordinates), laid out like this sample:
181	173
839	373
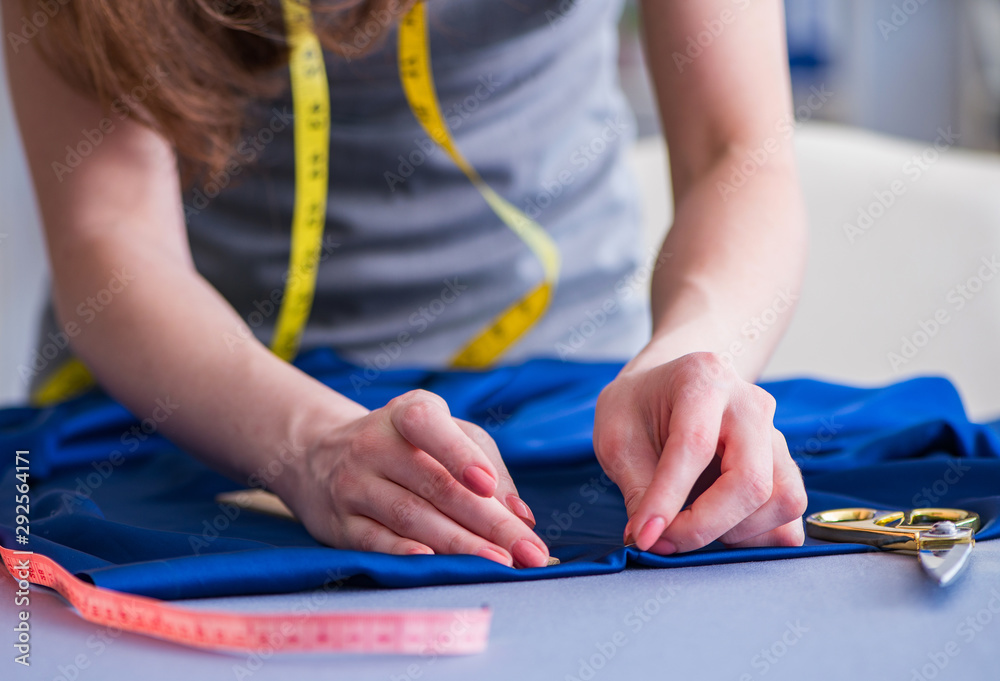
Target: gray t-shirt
529	89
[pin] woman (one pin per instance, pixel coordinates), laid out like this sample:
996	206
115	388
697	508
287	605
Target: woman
168	237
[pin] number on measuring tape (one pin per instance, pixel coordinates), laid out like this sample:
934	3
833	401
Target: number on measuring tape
406	632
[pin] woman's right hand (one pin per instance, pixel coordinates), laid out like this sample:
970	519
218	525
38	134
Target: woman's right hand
411	479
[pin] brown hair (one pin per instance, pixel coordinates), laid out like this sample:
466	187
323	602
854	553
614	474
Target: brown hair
217	57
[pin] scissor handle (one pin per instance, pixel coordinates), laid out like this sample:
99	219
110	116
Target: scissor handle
894	530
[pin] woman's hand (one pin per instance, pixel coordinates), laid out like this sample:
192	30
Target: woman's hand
410	479
692	435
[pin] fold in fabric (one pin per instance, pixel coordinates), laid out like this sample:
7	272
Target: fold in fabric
118	505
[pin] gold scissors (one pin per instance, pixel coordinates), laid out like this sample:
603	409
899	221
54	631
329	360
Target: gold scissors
942	537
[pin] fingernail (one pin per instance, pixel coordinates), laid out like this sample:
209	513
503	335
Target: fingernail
420	551
479	481
664	547
521	510
650	532
527	554
495	556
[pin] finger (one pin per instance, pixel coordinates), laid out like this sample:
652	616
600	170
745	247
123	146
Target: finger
423	419
364	534
786	504
692	440
408	515
789	534
745	483
506	491
487	519
634	484
626	454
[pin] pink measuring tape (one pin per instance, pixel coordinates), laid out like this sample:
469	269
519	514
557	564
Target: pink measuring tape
401	632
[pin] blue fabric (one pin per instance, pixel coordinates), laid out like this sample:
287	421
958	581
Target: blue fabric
128	511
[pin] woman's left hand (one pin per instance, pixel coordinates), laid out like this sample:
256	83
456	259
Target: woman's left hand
691	434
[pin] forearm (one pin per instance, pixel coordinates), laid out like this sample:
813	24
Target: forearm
737	245
735	265
168	338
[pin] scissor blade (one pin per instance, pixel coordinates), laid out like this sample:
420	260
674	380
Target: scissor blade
947	564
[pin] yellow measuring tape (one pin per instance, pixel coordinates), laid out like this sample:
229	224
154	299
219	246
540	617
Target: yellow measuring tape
311	105
71	379
512	323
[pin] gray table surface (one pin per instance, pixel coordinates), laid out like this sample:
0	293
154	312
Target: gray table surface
863	616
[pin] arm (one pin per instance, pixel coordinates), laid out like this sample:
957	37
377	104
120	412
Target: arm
241	408
695	427
735	249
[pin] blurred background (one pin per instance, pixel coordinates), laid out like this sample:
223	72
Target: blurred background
901	67
898	71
